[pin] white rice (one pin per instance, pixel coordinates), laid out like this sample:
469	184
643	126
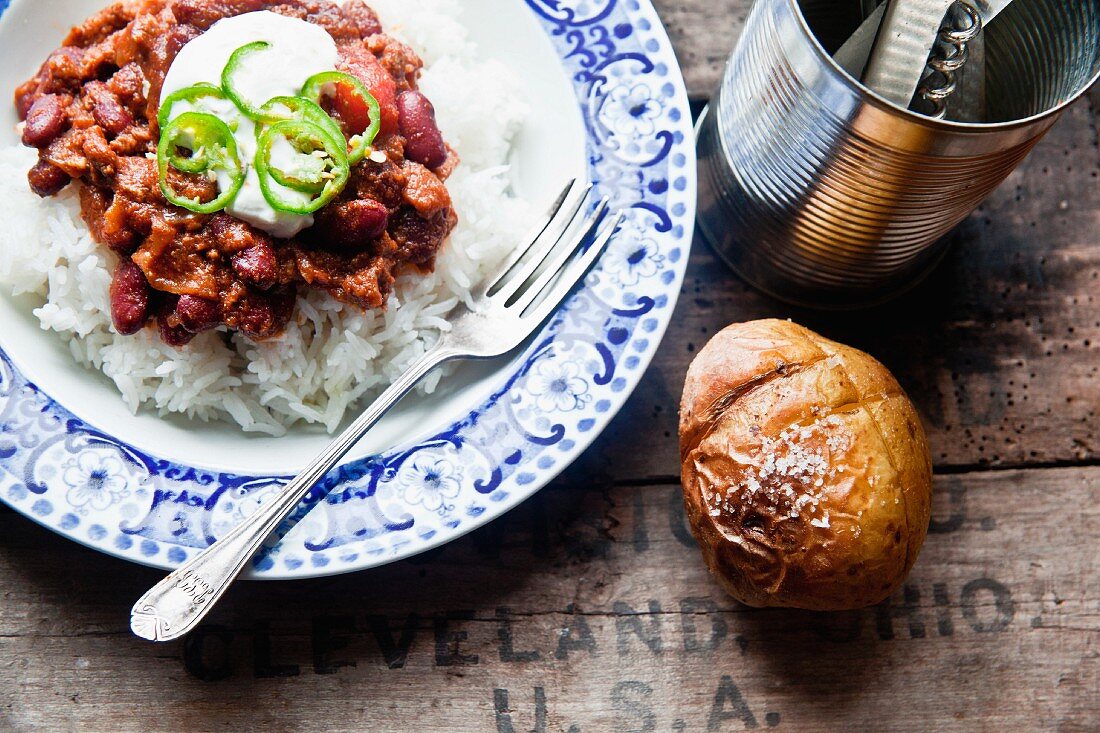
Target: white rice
332	356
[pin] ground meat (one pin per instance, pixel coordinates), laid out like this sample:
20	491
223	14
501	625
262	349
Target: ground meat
106	215
382	182
414	233
424	191
91	112
262	315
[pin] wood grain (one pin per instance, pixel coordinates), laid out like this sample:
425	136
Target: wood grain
598	598
703	33
588	609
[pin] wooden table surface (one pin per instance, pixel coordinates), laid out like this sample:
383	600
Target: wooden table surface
588	609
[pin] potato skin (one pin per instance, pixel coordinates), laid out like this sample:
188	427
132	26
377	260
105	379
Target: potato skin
806	472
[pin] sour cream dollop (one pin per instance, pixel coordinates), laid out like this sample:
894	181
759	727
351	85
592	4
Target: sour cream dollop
298	51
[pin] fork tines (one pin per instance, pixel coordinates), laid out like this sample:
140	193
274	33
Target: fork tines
544	258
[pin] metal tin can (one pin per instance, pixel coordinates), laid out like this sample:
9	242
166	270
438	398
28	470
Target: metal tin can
819	192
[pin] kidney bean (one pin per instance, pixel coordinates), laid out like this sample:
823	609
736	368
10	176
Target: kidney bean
107	111
129	298
170	332
257	265
173	335
25	95
63	69
46	179
177	38
416	120
45	121
352	223
197	314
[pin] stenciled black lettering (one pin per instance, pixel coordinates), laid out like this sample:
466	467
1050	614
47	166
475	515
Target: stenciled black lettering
447	652
956	492
325	642
540	710
971	601
886	612
508	651
628	698
575	636
262	666
394	652
690	608
944	625
208	653
502	712
728	694
628	621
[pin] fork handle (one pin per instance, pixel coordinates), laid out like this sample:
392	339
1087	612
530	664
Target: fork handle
178	603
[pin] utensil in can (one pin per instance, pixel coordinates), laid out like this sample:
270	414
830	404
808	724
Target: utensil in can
821	192
903	44
913	45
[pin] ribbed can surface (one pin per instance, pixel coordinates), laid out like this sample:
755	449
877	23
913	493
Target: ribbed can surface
819	192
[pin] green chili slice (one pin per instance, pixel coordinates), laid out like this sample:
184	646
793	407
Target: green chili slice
212	148
231	69
322	172
192	95
324	84
309	177
278	109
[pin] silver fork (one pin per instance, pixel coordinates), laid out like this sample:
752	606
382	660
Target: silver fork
509	307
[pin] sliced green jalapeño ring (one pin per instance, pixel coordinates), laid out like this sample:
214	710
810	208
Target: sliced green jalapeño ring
236	61
324	84
322	180
192	95
212	148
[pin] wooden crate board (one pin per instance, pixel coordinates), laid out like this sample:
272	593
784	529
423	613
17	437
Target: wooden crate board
592	606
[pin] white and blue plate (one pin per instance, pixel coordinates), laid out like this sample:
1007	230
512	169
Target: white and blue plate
608	101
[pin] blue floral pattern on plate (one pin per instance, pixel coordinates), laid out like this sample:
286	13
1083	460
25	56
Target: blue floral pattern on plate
91	487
